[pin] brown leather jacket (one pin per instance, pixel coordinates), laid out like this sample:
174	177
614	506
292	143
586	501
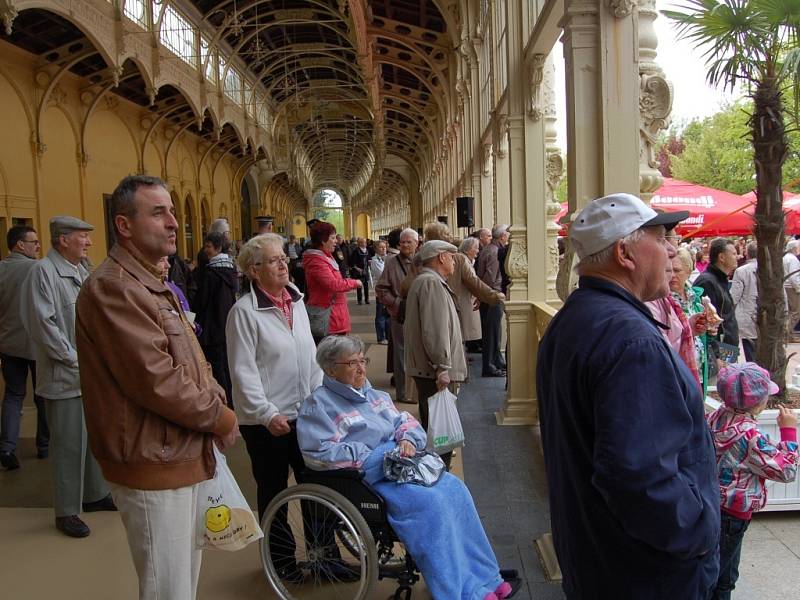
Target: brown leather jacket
152	406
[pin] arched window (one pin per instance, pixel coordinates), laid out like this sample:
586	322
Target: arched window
328	206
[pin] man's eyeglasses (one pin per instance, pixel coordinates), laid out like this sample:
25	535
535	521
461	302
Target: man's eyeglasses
34	242
354	363
273	261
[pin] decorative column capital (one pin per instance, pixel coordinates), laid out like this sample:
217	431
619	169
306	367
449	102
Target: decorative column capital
620	8
535	70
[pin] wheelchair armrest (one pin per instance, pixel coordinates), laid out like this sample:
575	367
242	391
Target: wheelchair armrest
355	474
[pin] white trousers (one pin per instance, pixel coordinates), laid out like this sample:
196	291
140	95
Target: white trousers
161	534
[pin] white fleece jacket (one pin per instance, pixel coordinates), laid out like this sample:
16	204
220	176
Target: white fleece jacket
273	368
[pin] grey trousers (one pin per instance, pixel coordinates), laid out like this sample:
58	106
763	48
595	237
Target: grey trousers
76	475
399	358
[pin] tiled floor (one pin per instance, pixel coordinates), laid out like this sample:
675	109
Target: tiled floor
502	467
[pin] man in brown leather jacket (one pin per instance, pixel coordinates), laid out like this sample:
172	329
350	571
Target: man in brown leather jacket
153	409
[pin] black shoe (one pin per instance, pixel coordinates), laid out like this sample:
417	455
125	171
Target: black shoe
106	503
366	301
9	460
391	381
359	302
495	373
291	574
72	526
43	453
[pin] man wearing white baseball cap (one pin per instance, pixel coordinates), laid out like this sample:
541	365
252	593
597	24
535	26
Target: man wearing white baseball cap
630	463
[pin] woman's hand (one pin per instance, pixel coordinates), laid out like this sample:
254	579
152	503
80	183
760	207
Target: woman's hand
698	323
786	417
279	426
407	448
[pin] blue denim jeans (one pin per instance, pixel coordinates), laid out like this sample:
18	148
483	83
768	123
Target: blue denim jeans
381	321
730	551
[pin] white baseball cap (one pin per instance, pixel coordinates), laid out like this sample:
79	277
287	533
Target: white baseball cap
605	220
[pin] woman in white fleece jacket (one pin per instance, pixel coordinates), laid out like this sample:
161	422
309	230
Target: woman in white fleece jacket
271	358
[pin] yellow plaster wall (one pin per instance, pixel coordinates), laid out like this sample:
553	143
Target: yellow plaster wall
38	187
363	225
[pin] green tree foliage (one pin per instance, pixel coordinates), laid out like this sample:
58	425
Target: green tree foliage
717	152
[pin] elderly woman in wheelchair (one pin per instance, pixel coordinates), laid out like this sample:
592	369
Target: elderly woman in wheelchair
346	424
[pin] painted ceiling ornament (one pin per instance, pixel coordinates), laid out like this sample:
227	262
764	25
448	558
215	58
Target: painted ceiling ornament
621	8
535	80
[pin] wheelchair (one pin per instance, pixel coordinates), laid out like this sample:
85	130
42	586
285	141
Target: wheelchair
335	525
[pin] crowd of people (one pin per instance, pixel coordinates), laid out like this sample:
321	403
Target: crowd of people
142	365
145	363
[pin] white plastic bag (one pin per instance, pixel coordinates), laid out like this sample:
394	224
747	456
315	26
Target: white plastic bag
444	426
224	520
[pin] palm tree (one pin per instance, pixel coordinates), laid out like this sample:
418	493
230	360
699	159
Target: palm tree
755	43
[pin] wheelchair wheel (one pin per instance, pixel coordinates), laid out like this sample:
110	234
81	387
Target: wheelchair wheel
317	545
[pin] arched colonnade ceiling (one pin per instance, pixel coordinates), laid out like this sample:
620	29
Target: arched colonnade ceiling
64	47
354	84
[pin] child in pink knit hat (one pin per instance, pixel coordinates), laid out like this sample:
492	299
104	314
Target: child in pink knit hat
745	459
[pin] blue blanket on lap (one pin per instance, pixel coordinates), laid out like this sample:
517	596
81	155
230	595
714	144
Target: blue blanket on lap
441	530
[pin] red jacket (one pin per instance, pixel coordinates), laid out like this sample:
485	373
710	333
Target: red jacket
324	282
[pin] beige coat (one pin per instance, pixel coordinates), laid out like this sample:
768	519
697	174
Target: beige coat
466	286
432	330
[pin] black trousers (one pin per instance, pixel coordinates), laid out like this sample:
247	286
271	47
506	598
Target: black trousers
425	389
490	328
217	357
270	459
363	290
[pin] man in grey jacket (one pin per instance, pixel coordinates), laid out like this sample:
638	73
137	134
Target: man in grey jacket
15	347
49	295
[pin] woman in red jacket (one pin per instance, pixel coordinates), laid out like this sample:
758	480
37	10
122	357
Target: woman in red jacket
325	285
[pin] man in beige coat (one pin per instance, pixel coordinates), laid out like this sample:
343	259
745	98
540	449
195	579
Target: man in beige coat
434	352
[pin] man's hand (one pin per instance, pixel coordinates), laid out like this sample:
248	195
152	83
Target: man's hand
407	448
229	439
359	283
442	380
786	417
278	426
476	304
698	323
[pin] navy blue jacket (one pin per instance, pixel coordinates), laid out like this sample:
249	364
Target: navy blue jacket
634	496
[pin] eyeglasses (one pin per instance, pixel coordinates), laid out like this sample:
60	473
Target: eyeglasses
354	363
273	261
35	242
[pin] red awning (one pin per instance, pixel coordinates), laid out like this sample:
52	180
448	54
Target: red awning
712	212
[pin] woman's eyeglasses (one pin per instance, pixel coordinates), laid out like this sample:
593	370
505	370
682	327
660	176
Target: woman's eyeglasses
273	261
354	363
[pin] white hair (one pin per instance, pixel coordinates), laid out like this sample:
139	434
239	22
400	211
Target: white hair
219	226
791	245
334	347
604	255
467	244
408	231
252	250
498	231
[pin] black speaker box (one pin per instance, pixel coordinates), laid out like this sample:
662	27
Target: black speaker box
465	211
